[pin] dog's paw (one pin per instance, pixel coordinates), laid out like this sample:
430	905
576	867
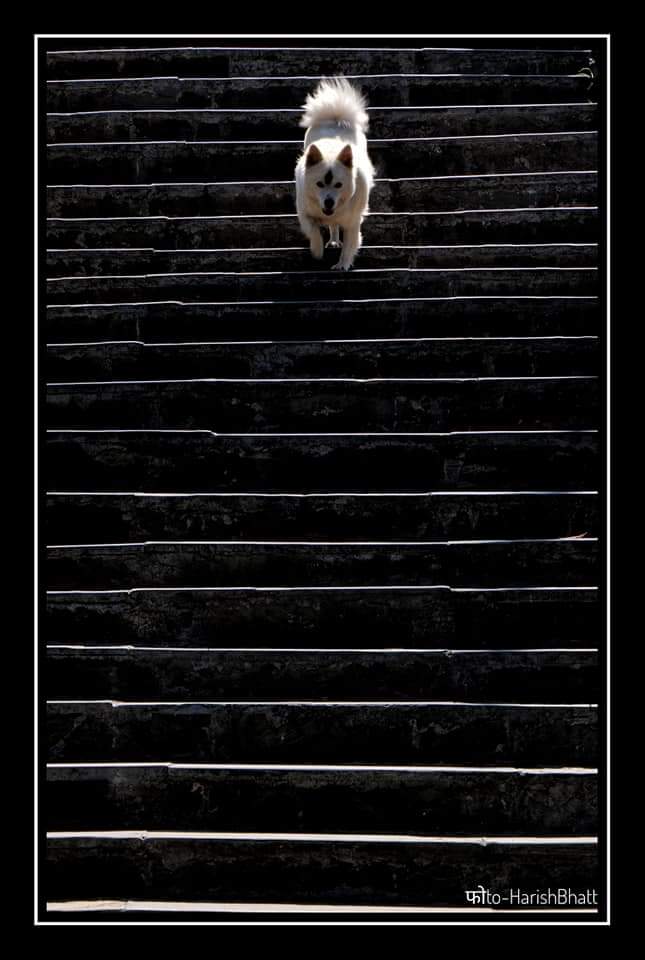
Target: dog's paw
341	265
317	248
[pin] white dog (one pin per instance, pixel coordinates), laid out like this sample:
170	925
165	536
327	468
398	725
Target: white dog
334	175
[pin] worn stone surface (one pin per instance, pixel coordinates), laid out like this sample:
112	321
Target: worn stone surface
422	156
290	92
279	870
256	61
543	676
273	92
80	262
478	357
318	732
470	564
417	618
148	461
209	199
430	801
97	519
326	406
288	320
281	124
325	285
579	224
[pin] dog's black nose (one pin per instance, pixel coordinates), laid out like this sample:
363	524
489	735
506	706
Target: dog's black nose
329	203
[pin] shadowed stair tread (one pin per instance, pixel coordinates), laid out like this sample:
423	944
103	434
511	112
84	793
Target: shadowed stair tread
308	798
112	261
324	284
147	673
392	870
474	315
222	61
293	405
178	461
563	188
323	564
519	356
324	732
289	92
514	225
245	516
436	121
144	162
421	618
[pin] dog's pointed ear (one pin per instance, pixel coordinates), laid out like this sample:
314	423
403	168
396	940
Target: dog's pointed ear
345	155
314	156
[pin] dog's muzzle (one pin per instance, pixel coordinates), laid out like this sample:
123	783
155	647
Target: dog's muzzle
328	207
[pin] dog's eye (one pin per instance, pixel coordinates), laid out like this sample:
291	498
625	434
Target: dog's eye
320	184
338	186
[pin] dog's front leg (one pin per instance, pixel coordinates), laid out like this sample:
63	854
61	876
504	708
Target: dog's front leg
312	231
351	244
334	236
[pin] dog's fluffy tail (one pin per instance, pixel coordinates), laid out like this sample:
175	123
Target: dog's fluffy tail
335	100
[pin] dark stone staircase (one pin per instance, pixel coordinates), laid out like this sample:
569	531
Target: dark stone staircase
323	618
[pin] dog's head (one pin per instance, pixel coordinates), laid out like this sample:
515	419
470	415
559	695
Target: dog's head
330	178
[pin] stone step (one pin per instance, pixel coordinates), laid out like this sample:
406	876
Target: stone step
225	563
324	406
424	516
323	732
513	225
178	461
260	93
268	61
289	320
148	162
318	285
543	676
458	801
418	617
471	357
114	262
197	125
575	188
309	870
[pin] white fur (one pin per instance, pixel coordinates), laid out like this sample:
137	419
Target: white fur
336	119
336	100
